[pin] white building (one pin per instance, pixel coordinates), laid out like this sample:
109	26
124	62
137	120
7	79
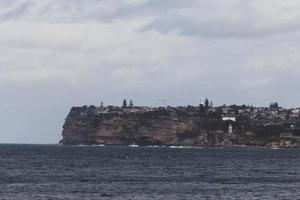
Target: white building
228	118
295	110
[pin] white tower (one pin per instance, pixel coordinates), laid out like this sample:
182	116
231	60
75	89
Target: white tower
230	129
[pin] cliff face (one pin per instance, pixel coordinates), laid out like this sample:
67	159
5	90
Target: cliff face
91	125
158	127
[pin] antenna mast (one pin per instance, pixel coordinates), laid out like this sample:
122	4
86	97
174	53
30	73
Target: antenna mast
163	101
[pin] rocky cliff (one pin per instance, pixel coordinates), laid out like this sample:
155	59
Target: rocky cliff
172	126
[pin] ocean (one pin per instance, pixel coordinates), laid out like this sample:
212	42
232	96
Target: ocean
37	172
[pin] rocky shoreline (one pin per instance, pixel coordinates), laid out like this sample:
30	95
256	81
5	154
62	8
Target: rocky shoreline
180	126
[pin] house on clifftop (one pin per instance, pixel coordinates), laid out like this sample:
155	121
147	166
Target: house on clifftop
229	117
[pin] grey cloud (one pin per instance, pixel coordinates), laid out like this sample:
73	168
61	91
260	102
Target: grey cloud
68	11
83	11
16	12
60	53
216	28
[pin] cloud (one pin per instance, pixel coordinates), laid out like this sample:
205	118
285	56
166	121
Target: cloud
50	40
71	11
230	19
60	53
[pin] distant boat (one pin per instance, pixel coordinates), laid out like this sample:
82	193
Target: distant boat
274	147
133	145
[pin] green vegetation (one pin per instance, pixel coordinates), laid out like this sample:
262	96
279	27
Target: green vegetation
131	104
124	105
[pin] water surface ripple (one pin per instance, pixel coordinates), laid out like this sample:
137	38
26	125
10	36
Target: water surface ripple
36	172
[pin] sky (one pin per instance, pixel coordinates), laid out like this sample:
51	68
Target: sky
55	54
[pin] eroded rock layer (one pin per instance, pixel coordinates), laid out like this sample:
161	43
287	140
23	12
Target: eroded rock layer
172	126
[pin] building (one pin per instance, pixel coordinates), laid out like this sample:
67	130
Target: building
296	111
229	118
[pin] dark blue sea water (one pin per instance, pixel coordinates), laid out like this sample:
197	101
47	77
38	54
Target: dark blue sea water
30	172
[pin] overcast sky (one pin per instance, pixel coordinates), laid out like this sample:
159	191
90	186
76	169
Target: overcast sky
56	54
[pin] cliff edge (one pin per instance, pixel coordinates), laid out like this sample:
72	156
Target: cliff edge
187	126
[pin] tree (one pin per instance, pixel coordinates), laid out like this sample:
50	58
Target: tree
101	104
274	105
211	104
206	103
124	104
202	110
288	114
131	104
251	108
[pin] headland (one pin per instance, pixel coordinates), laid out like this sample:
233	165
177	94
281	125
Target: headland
202	125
